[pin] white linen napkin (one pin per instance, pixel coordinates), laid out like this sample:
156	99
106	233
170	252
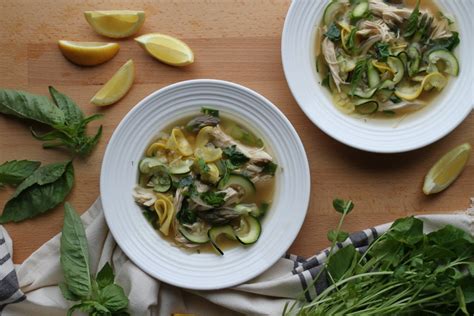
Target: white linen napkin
37	293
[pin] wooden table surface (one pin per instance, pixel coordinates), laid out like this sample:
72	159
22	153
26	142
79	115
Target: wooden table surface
236	40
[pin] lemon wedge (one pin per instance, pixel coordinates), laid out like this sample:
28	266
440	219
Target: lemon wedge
167	49
115	23
117	86
88	53
447	169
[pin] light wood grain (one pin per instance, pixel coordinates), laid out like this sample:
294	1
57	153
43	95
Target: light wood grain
233	40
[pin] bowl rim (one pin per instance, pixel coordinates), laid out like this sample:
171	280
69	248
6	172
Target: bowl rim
242	89
339	137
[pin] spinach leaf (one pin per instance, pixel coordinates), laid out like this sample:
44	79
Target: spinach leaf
29	106
72	113
75	254
105	276
235	156
91	307
46	188
333	32
210	112
15	171
213	198
382	50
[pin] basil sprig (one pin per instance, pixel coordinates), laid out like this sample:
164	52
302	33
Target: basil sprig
63	116
97	296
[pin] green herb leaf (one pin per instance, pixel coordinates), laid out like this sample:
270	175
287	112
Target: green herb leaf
75	254
15	171
32	107
92	307
382	50
185	215
340	262
407	230
351	45
46	188
333	32
203	167
448	43
235	156
105	276
151	217
72	113
185	182
357	74
68	294
113	298
412	23
213	198
65	118
270	168
209	111
325	81
342	206
337	236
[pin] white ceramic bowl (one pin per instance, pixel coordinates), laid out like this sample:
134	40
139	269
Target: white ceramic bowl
416	130
135	235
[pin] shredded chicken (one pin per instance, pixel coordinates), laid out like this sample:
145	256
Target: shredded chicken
391	106
369	43
440	29
222	140
261	178
232	196
145	197
178	199
376	27
329	53
390	14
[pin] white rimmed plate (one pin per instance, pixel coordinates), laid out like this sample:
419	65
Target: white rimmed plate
134	234
414	131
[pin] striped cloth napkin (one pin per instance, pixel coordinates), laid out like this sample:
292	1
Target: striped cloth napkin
32	287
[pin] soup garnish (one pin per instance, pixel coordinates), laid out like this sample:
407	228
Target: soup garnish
206	181
380	56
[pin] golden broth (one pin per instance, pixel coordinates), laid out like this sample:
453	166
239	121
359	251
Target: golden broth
425	96
264	190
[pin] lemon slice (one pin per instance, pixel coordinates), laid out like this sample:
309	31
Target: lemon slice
88	53
115	23
117	86
447	169
167	49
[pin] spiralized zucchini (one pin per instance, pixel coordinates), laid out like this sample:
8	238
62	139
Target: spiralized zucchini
384	55
178	142
165	210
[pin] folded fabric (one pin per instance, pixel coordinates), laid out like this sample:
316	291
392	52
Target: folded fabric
34	287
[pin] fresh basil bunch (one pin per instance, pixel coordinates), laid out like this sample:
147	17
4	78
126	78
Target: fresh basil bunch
97	296
63	116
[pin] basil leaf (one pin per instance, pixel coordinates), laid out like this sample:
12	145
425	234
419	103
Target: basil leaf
67	294
75	254
46	188
28	106
92	307
72	113
105	276
15	171
235	156
382	50
113	298
213	198
270	168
